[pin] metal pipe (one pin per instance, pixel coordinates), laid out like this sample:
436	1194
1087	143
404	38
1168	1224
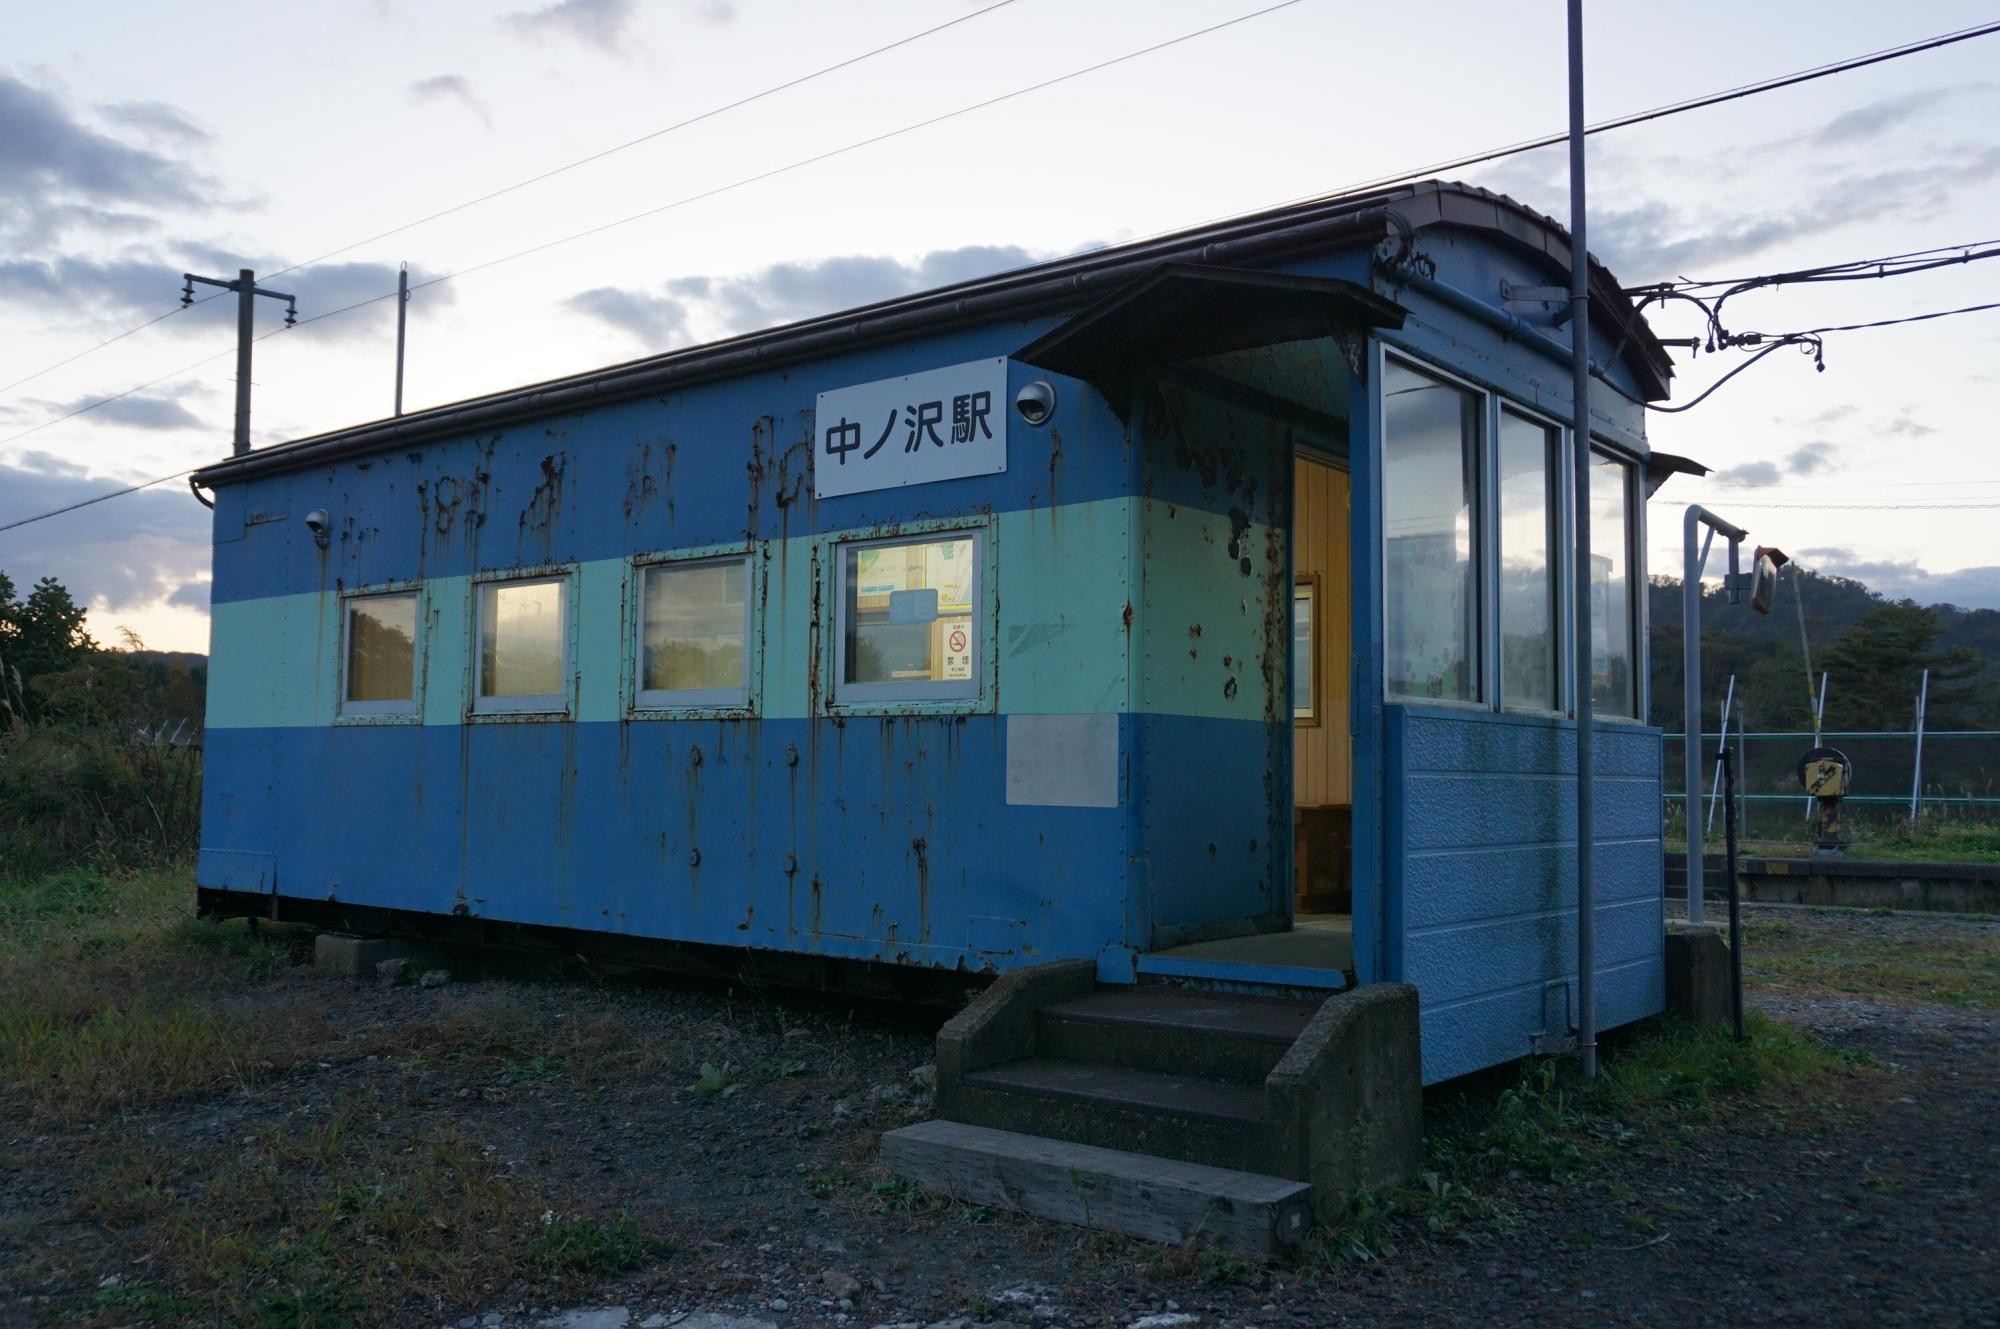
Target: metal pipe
1819	721
1693	557
246	302
1579	376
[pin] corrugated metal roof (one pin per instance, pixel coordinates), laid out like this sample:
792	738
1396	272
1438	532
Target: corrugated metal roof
1316	226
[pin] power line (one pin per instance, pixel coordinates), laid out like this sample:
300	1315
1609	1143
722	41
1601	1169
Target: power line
96	498
649	137
706	194
488	197
1529	145
88	407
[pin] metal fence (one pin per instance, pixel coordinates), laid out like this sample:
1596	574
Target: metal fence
1902	777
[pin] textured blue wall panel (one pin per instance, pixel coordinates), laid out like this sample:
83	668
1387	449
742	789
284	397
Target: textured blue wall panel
1482	860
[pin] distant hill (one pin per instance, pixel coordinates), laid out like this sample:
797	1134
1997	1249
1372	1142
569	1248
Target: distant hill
1765	652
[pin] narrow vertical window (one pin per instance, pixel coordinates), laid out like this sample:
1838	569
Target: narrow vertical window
1529	466
380	660
1613	681
523	646
909	619
694	623
1305	636
1430	492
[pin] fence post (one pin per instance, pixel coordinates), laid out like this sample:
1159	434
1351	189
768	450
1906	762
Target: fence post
1917	771
1721	742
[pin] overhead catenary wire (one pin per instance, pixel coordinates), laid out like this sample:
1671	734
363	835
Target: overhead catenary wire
95	498
705	194
1529	145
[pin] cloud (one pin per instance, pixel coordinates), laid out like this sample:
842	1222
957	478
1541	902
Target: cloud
121	555
1907	426
600	23
1812	459
157	410
57	173
786	292
1655	215
658	320
452	87
1884	114
1903	579
131	287
1754	475
158	118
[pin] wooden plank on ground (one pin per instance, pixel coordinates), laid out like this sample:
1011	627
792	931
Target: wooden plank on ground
1158	1199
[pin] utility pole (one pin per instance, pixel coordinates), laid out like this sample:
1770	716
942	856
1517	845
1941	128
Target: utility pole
1579	333
402	320
247	291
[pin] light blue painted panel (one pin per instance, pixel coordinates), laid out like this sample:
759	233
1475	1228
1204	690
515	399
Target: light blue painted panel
1065	583
1208	626
447	649
274	661
1445	742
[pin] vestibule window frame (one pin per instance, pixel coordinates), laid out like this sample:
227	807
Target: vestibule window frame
1486	545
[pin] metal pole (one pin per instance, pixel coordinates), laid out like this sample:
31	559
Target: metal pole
1917	775
402	320
1693	558
1735	915
1579	371
1742	770
1721	742
246	302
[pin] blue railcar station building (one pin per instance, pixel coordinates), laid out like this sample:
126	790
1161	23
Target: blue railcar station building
1197	608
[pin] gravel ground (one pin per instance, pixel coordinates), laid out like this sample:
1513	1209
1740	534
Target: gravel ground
1878	1210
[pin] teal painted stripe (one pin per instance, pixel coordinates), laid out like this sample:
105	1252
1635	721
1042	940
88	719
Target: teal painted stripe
1063	578
1207	593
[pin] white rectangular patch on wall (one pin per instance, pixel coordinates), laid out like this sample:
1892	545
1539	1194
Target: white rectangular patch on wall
942	424
1064	761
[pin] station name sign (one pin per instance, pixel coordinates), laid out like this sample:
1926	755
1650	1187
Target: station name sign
942	424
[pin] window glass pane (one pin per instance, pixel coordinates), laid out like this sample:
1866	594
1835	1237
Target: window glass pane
382	648
1611	674
1527	570
910	612
1429	487
693	620
521	639
1303	695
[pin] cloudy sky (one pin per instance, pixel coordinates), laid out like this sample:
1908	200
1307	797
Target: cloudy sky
138	141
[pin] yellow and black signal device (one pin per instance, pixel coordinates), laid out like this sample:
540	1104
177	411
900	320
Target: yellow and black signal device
1826	774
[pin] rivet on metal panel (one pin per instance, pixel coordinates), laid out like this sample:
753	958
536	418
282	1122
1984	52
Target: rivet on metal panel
694	858
791	864
791	754
694	756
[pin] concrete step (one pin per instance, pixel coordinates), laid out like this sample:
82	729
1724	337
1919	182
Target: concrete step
1114	1190
1214	1035
1186	1117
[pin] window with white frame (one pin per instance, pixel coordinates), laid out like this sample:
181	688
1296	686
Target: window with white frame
523	660
909	618
1613	607
694	631
1528	490
1430	501
1305	640
379	655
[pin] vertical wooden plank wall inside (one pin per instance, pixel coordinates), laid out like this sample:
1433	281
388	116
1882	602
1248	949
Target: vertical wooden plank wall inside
1322	748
